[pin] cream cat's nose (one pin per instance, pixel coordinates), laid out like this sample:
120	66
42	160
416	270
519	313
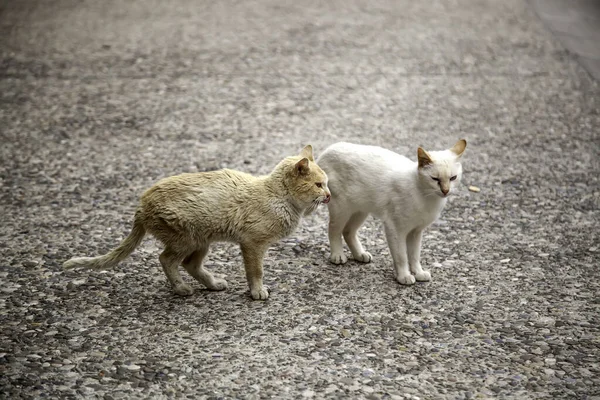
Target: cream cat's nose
445	191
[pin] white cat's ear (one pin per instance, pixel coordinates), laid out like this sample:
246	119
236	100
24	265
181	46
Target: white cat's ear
302	166
307	152
459	147
424	158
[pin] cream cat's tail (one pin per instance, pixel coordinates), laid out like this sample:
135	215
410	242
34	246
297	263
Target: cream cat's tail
111	259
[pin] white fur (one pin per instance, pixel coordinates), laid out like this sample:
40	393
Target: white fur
367	180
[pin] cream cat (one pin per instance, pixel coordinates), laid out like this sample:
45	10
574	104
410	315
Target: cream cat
407	196
190	211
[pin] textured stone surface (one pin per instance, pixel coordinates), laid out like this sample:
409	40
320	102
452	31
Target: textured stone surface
576	24
98	100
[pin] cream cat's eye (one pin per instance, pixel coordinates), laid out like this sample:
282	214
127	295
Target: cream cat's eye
453	178
319	185
435	179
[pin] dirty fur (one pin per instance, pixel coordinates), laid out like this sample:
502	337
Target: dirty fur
190	211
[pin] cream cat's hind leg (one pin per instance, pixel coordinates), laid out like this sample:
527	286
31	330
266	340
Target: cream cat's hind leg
351	236
170	261
193	265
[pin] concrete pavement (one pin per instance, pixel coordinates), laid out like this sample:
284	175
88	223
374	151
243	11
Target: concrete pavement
98	100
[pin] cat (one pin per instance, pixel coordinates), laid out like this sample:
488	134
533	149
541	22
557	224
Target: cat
188	212
407	196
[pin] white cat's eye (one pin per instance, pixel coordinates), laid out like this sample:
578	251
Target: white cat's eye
319	184
435	179
453	178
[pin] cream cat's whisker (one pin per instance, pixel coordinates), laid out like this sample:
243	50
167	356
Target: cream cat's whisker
315	205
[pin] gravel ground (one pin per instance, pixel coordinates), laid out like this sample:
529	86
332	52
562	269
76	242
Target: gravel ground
98	100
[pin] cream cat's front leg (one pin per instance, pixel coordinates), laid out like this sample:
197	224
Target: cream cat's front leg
253	255
397	243
413	244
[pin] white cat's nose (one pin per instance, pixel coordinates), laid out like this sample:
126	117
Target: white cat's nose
445	191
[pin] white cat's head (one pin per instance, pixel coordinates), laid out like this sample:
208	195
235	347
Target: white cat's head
441	171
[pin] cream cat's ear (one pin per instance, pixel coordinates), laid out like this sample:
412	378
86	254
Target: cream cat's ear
307	152
424	158
459	147
302	166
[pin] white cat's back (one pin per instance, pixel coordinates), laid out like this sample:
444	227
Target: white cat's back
371	157
371	164
362	176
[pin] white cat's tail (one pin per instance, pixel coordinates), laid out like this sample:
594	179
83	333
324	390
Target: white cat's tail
111	259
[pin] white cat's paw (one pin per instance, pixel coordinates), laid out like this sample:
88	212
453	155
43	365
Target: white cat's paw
406	279
183	289
218	284
423	276
338	258
365	257
261	293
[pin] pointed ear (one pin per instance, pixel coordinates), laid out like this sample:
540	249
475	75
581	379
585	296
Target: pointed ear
302	166
424	158
307	152
459	147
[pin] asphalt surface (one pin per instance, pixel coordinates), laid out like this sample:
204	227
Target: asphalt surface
576	24
98	100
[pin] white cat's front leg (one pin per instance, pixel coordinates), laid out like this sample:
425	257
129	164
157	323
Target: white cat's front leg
413	244
397	244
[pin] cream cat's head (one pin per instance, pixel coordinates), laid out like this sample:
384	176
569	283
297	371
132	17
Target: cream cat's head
305	180
440	171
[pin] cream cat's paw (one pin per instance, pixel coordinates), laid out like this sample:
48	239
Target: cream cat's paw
338	258
423	276
183	290
406	279
262	293
218	284
365	257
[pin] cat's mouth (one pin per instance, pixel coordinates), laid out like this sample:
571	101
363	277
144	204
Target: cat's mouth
326	200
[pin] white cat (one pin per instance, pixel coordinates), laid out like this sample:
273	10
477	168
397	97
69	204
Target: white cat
407	196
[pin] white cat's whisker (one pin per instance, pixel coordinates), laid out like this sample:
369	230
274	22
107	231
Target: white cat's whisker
429	194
